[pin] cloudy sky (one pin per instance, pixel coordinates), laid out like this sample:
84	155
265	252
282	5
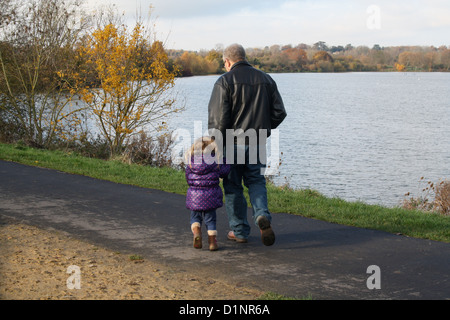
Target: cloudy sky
203	24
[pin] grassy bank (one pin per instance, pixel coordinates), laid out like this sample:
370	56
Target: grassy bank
307	203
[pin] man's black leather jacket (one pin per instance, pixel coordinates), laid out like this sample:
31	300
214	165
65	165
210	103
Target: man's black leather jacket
245	98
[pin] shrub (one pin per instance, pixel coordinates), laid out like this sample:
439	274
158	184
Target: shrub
442	197
147	150
435	197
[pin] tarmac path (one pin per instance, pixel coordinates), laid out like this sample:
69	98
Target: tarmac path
309	257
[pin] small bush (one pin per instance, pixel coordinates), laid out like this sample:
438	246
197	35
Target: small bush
10	128
435	197
89	147
151	151
442	197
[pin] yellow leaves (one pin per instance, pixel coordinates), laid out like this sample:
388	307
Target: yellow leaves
119	57
130	73
399	67
192	63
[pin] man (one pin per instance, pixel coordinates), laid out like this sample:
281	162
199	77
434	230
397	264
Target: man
245	99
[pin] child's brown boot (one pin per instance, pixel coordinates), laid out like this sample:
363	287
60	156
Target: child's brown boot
212	240
197	231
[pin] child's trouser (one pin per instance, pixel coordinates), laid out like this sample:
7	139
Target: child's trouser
209	217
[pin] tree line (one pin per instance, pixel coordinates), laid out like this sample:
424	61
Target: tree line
320	58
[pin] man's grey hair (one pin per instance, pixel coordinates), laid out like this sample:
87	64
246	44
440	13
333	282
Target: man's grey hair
234	53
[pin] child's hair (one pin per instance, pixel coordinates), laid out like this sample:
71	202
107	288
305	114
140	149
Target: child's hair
198	149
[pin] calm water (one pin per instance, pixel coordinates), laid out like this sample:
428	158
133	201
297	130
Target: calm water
357	136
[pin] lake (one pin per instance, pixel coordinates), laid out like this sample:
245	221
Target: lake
358	136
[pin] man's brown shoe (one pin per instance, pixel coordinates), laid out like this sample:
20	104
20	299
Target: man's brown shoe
267	235
232	237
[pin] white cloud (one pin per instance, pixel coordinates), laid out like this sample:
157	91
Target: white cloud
201	24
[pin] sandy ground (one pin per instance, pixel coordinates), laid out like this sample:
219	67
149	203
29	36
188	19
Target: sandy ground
34	265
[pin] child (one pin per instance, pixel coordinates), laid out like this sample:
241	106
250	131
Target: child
204	195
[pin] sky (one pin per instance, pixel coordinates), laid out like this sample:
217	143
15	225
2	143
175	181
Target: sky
205	24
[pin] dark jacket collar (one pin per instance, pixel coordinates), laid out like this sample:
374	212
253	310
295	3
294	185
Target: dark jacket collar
240	63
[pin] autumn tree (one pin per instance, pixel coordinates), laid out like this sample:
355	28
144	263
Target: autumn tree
133	79
445	58
192	63
36	48
320	46
322	56
411	59
215	57
399	67
295	57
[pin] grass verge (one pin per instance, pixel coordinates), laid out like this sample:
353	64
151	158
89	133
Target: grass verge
308	203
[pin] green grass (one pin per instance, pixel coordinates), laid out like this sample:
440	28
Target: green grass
312	204
307	203
136	257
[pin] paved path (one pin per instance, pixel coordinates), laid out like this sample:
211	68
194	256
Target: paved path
327	261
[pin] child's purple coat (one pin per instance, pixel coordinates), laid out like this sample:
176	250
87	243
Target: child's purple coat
204	192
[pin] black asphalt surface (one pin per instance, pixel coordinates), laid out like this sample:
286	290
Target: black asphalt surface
309	257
